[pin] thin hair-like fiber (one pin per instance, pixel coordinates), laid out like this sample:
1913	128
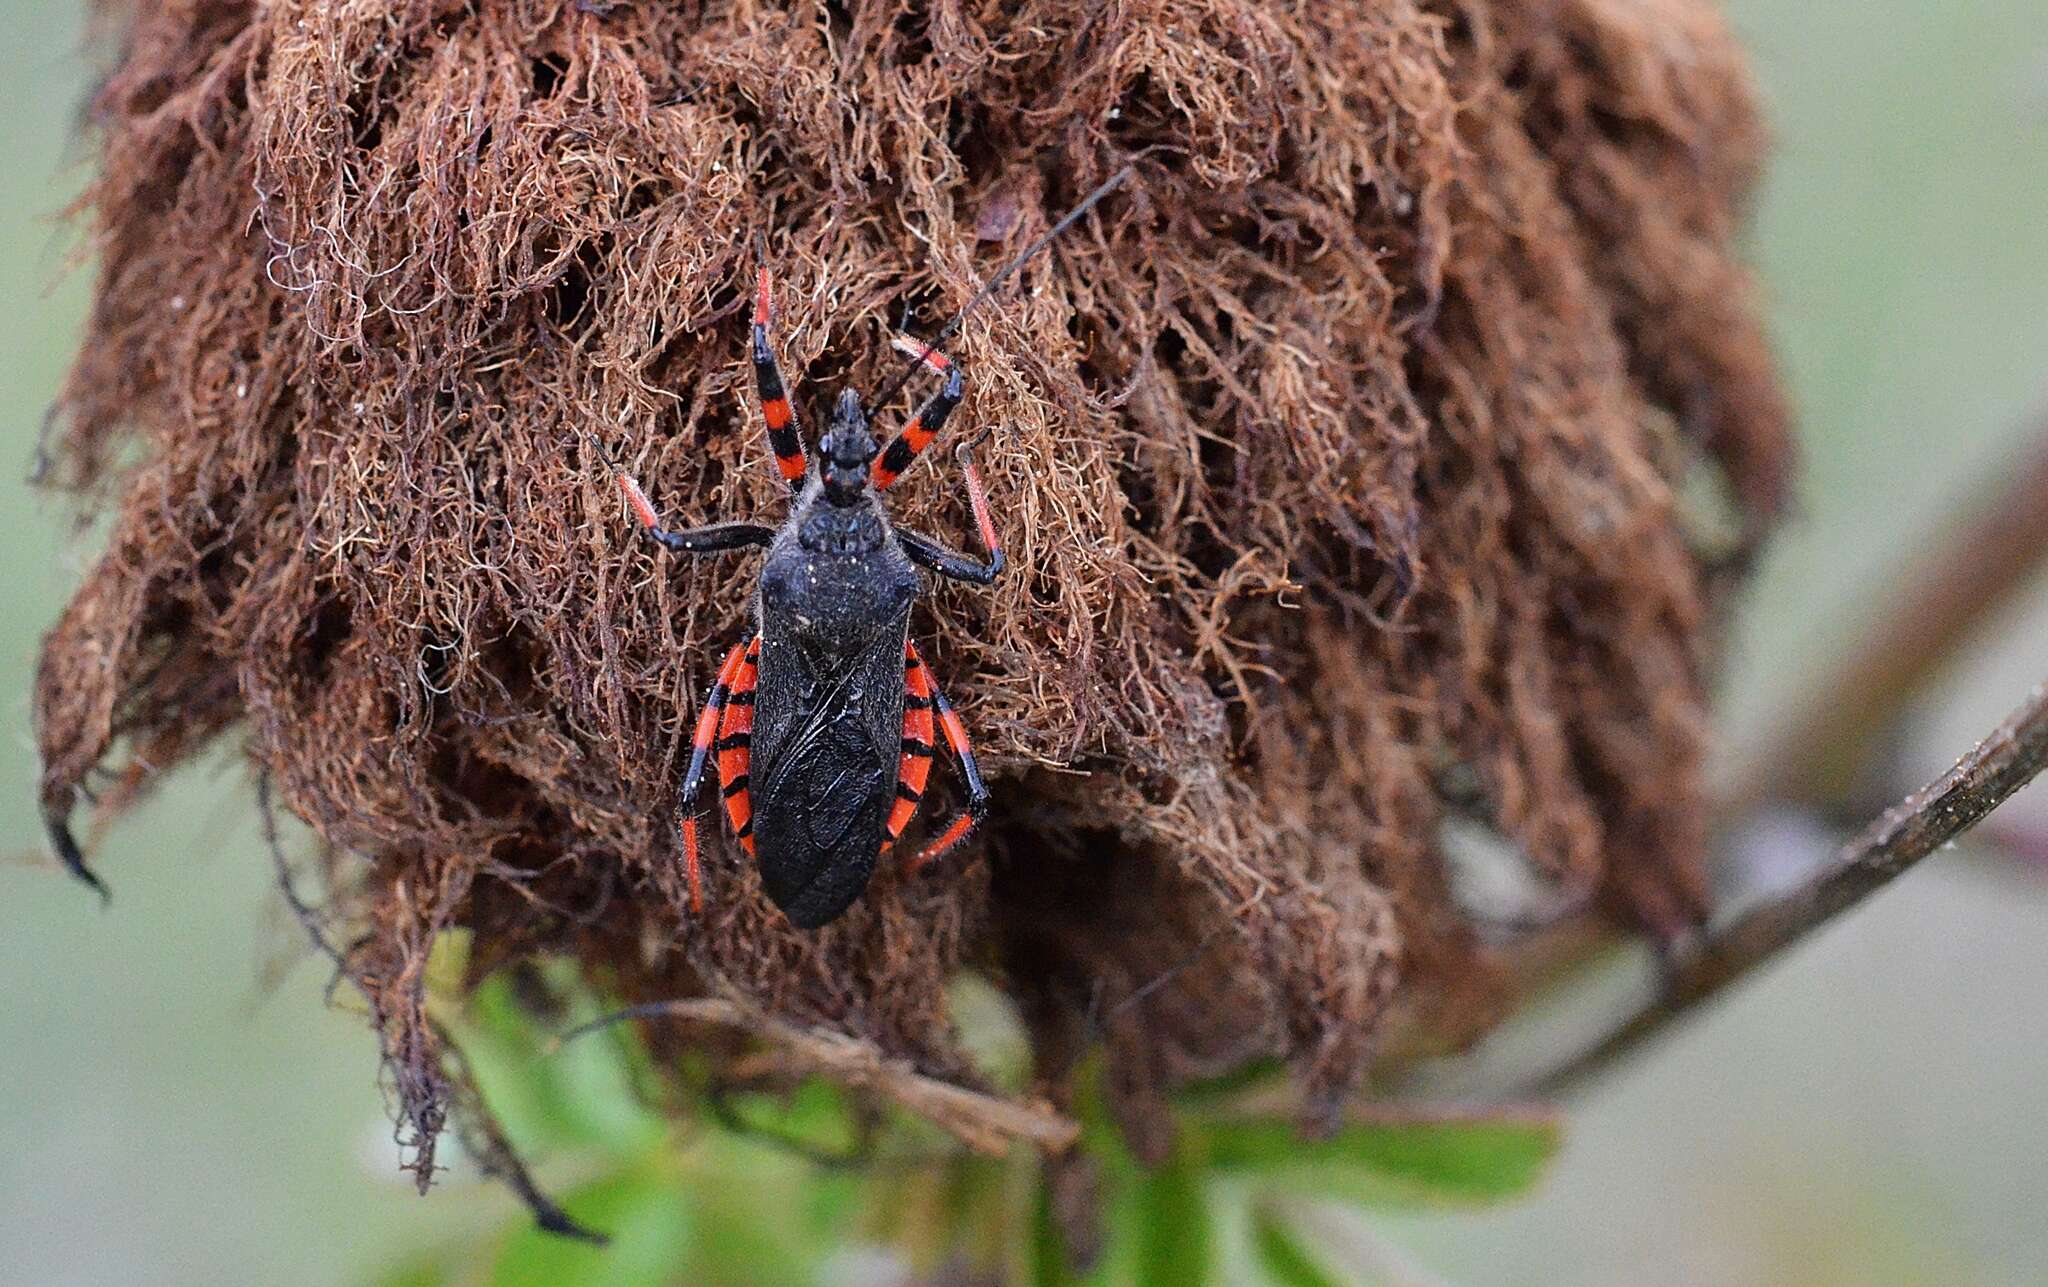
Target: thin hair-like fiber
1343	461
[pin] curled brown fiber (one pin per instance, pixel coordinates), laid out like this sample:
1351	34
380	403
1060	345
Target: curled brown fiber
1339	456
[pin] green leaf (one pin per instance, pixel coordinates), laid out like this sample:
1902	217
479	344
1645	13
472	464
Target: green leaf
1174	1231
751	1233
1456	1162
581	1094
1252	1076
990	1030
1047	1263
426	1271
647	1217
523	1089
1159	1226
598	1103
816	1117
828	1203
1284	1260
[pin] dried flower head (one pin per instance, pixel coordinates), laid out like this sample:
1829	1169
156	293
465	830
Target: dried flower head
1339	458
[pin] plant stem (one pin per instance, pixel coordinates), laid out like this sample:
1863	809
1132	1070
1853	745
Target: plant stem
1821	754
1923	822
985	1123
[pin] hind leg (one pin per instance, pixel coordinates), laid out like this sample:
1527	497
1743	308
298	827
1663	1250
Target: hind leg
914	767
922	696
735	747
715	708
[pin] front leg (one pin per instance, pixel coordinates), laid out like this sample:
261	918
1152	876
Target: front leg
692	540
926	552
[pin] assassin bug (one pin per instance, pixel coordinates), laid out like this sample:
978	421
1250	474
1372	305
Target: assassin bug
823	724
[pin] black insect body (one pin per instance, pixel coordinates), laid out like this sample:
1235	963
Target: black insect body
830	731
824	723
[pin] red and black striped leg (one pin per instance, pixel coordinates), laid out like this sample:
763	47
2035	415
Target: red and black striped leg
898	456
784	436
735	747
977	791
700	749
903	449
914	768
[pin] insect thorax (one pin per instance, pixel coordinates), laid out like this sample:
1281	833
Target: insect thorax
837	582
840	530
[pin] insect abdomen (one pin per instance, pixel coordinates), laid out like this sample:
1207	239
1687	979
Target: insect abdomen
827	740
818	823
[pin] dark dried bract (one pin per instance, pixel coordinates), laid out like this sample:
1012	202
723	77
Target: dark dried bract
1339	455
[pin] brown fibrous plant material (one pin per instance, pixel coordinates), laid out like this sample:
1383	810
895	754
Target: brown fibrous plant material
1345	458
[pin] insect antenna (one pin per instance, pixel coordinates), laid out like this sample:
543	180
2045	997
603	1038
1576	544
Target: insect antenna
989	287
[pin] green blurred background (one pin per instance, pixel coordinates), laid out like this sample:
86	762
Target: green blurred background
177	1106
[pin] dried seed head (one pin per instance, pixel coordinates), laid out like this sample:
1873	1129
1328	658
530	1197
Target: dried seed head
1338	466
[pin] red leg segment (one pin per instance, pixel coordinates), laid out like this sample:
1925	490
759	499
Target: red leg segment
715	707
735	742
903	449
934	707
977	500
784	437
914	769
